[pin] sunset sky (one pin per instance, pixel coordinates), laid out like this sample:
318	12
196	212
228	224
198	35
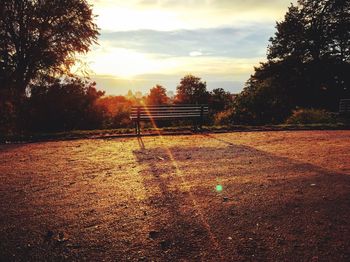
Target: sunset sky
148	42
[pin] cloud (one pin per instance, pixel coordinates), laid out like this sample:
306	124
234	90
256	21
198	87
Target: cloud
249	41
186	14
196	53
128	63
218	54
145	42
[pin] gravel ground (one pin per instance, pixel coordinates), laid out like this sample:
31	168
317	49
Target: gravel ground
255	196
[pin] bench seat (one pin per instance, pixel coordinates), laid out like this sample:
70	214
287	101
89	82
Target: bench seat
196	113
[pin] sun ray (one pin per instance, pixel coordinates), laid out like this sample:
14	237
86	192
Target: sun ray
180	175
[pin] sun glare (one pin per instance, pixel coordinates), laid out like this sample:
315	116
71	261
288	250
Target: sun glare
122	19
126	63
135	36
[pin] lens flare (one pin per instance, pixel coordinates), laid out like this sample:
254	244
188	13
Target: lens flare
181	176
219	188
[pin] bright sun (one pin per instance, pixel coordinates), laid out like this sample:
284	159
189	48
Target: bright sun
126	63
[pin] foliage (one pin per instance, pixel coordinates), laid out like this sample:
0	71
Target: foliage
59	105
112	104
191	90
311	116
38	40
312	31
72	103
308	64
267	96
157	96
117	110
220	100
223	117
41	38
121	118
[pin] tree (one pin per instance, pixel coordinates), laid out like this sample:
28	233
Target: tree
220	100
41	37
117	110
268	95
191	90
312	31
60	105
308	61
289	38
316	35
157	96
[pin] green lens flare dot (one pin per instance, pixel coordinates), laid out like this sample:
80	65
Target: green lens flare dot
219	188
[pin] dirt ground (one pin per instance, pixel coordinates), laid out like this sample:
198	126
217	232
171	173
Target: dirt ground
258	196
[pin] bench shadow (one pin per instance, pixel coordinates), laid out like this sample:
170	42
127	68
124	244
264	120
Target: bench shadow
271	207
140	142
178	231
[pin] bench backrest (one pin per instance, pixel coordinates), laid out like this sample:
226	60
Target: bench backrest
344	106
165	112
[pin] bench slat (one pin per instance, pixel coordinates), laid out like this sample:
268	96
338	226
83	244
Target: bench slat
169	106
168	112
168	109
176	105
165	117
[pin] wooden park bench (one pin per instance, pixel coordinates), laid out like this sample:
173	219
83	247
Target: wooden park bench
155	113
344	106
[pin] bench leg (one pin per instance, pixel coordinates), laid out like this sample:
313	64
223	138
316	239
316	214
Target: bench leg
195	125
138	128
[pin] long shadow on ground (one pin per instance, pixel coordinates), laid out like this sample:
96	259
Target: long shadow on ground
271	207
166	207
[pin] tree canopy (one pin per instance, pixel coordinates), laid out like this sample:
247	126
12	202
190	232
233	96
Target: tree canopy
60	105
220	99
308	64
313	30
40	38
191	90
157	96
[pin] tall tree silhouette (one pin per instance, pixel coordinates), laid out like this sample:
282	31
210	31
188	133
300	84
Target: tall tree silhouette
41	37
308	63
312	31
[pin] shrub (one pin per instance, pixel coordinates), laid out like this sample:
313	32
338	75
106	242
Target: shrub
223	117
311	116
121	118
62	105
